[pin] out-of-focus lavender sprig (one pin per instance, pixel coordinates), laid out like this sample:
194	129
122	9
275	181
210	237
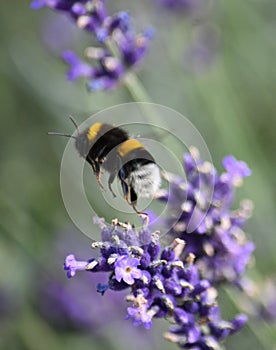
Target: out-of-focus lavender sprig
120	47
218	242
260	300
203	50
160	285
68	306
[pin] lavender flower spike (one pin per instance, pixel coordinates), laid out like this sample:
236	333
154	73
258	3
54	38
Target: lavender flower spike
121	49
160	285
218	241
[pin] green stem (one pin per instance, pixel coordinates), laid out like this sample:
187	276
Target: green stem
23	242
148	108
139	94
136	88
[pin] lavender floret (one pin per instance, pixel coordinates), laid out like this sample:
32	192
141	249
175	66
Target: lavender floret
126	269
71	265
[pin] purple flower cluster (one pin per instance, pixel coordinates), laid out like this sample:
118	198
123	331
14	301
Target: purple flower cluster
267	300
160	285
120	50
212	230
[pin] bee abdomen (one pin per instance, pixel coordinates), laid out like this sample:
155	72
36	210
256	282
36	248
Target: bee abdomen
145	179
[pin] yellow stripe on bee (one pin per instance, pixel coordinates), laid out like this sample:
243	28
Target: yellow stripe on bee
128	146
93	131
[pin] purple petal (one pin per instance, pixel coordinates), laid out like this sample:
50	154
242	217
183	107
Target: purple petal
121	261
71	265
128	279
104	83
194	334
131	311
238	322
78	68
136	273
133	262
119	273
235	167
78	9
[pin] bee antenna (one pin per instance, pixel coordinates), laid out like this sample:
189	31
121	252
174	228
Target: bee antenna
74	122
60	134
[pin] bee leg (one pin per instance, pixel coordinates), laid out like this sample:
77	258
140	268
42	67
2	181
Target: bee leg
143	216
98	174
131	198
96	167
110	181
92	163
98	177
132	201
125	191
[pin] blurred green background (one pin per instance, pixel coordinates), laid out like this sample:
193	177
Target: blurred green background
229	95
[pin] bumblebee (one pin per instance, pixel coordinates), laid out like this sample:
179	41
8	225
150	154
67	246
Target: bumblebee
107	147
